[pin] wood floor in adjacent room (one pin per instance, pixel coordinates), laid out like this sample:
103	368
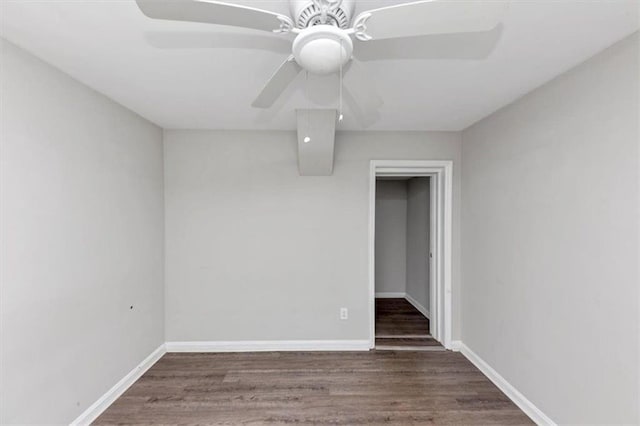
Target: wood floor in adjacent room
398	317
345	388
399	325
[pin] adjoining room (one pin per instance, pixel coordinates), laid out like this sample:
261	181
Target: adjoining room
402	262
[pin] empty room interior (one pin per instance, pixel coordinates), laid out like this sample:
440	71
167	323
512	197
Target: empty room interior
352	212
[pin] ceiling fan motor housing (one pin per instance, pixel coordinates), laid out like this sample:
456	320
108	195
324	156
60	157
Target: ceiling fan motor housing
306	13
322	49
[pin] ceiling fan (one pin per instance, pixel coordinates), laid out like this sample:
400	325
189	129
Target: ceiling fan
324	31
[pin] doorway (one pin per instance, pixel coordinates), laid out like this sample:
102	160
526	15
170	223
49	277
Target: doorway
425	309
402	264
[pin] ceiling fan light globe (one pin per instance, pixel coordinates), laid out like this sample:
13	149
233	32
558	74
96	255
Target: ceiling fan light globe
322	49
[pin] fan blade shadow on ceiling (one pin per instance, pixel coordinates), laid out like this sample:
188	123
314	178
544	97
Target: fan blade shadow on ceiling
312	91
360	95
309	91
465	46
363	115
217	40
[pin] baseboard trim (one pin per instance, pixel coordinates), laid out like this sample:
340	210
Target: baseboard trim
514	395
269	346
391	295
98	407
418	306
455	345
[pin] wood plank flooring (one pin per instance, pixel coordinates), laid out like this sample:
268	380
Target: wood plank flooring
398	317
399	325
414	341
340	388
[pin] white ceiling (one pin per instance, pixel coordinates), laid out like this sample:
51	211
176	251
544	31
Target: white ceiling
109	45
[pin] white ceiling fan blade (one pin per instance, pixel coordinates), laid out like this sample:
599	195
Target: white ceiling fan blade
213	12
466	46
217	40
430	17
277	83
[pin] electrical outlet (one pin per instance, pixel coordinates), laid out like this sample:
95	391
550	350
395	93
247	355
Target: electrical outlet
344	313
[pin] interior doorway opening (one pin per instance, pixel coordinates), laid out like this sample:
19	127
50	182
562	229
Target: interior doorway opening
410	253
402	263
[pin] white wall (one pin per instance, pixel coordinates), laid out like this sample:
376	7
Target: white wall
256	252
391	236
550	241
418	224
81	218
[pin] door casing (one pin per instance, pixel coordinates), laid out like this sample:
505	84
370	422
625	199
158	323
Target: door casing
440	272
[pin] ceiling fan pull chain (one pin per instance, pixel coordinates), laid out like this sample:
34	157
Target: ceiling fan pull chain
340	116
307	139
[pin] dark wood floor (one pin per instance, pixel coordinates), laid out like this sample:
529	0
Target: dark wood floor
399	318
399	325
365	388
401	342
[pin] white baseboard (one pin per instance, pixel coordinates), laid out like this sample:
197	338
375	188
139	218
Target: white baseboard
269	346
514	395
98	407
418	306
455	345
391	295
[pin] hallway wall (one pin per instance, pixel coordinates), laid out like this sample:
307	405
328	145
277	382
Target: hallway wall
418	224
391	236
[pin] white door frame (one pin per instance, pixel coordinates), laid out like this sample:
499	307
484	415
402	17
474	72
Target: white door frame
441	173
